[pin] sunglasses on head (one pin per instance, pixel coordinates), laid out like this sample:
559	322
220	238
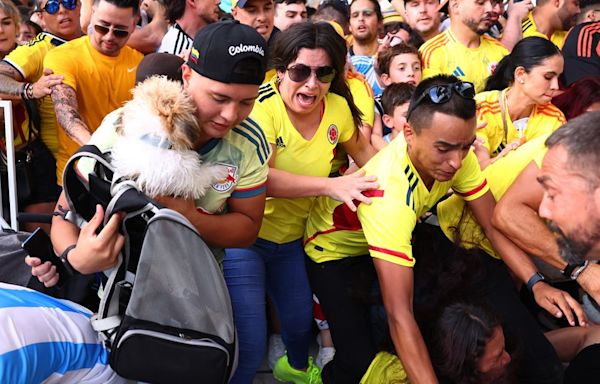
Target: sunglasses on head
301	72
442	93
103	30
53	6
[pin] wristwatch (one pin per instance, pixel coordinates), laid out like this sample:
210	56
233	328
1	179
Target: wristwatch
533	280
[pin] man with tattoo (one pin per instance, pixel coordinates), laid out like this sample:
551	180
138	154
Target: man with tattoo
22	74
98	71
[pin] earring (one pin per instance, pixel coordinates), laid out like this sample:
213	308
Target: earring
521	81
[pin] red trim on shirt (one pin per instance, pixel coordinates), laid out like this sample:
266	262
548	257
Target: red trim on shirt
401	255
473	191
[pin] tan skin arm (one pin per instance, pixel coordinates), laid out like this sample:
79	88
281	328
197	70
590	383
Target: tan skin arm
553	300
396	284
67	114
345	188
530	233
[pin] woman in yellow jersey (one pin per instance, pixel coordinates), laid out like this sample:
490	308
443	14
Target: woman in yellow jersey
516	103
305	112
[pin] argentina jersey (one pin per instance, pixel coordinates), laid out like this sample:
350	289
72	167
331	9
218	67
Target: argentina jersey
47	340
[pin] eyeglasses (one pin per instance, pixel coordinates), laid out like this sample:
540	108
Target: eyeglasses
53	6
365	12
301	72
103	30
442	93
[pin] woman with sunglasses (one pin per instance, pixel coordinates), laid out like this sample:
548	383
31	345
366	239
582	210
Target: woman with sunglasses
516	104
305	112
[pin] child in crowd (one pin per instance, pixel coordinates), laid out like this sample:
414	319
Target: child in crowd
399	64
395	101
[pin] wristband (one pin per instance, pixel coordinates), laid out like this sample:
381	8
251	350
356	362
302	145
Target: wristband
533	280
63	258
570	269
579	270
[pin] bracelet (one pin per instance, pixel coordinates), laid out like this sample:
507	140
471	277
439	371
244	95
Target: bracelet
533	280
570	269
63	258
579	270
27	91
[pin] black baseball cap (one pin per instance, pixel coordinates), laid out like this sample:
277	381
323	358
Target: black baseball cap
229	52
162	64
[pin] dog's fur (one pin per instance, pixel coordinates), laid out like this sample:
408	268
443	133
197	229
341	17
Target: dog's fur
157	131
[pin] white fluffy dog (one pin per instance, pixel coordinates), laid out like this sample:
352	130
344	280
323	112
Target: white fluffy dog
157	131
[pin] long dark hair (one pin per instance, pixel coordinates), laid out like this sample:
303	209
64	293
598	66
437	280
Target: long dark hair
527	53
463	332
312	36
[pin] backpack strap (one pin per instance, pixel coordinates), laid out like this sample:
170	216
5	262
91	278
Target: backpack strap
81	193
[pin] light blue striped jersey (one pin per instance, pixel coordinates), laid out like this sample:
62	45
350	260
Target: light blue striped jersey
47	340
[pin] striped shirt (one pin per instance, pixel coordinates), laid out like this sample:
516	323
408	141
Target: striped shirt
43	339
175	41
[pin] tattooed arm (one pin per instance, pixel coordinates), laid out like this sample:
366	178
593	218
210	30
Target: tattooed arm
11	83
67	113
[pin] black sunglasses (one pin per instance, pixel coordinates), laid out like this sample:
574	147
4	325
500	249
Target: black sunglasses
301	72
442	93
53	6
103	30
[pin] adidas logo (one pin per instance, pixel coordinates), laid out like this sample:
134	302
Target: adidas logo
279	142
458	72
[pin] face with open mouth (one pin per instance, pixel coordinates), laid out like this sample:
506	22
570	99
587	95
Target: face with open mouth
64	23
303	97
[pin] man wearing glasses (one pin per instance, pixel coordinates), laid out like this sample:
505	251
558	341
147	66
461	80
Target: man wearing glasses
348	251
22	75
98	72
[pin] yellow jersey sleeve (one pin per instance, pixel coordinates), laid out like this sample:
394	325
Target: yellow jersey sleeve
363	97
249	137
469	182
60	62
28	59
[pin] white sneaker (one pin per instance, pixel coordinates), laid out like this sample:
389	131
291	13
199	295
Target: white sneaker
276	349
325	356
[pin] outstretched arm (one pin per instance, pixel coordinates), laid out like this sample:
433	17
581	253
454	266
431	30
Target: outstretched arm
67	113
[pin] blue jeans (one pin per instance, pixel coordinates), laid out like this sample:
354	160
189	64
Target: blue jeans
279	271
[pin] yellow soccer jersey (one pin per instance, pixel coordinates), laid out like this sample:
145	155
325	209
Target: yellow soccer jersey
444	54
28	60
452	214
285	219
102	84
529	28
244	150
363	96
385	227
544	119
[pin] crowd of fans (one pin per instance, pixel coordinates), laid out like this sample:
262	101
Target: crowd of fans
389	177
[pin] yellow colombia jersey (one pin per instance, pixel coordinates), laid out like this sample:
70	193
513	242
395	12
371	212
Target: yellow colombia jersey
530	29
28	60
244	150
544	119
285	219
363	96
444	54
385	227
102	83
500	176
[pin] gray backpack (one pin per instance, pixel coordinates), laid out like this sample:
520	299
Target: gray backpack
165	314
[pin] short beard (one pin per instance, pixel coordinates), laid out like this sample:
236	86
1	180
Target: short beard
573	251
365	40
474	26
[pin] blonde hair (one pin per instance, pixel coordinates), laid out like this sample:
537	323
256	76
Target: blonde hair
11	11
